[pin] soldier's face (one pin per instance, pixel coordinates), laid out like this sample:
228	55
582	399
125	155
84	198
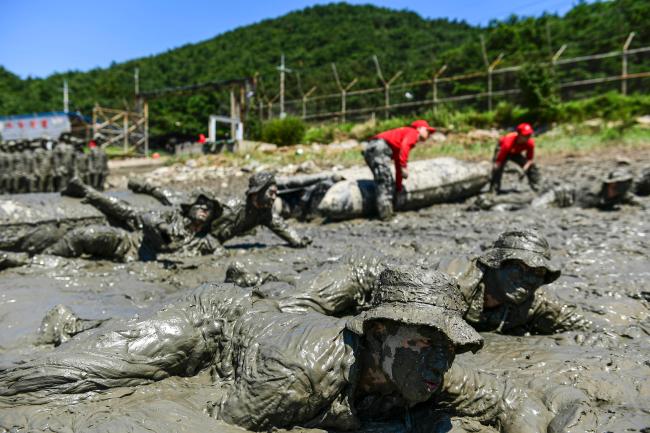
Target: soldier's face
415	359
514	282
201	211
267	196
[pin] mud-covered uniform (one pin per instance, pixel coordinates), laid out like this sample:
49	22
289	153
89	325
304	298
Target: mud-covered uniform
541	314
135	234
584	196
272	368
240	217
508	150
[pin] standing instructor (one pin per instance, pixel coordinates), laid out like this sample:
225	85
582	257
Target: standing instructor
393	144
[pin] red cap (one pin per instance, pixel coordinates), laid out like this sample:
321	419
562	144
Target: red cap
423	123
525	129
202	138
92	144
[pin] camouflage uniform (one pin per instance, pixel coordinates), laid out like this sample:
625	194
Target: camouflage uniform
379	157
42	170
279	369
541	313
6	168
63	162
143	234
239	217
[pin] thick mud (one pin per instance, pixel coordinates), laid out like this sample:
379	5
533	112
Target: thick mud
606	271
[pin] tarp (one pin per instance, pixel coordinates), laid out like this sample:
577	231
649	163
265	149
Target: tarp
31	127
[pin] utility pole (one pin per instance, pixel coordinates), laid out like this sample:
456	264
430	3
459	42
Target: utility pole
283	70
66	101
136	81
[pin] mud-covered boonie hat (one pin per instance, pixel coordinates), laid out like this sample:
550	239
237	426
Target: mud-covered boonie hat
259	181
205	194
413	296
618	175
527	246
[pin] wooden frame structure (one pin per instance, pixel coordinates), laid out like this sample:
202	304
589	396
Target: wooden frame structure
130	128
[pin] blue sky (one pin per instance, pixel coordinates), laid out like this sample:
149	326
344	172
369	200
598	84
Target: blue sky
40	37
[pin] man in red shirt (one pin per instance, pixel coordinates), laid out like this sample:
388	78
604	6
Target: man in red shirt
394	144
511	148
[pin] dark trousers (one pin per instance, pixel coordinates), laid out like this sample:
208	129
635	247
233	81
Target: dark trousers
533	174
379	157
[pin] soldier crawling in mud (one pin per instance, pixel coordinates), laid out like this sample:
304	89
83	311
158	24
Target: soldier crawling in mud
616	189
499	287
182	230
238	218
273	368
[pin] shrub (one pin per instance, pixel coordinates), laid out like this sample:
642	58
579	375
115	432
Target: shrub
284	132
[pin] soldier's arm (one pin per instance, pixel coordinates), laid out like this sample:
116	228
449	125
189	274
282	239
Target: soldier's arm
633	200
337	289
163	195
280	227
548	315
493	400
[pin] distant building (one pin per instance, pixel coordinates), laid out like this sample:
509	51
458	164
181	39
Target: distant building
27	127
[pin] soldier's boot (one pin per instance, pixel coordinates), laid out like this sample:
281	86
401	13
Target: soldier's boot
534	178
76	188
495	182
12	260
61	323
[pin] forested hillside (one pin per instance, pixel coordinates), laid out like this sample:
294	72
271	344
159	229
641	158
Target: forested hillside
313	38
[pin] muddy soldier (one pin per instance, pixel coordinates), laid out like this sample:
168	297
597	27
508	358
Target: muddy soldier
392	363
511	148
500	287
239	218
614	190
395	145
182	230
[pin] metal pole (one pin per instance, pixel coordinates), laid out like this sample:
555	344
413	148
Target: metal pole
282	70
624	63
233	114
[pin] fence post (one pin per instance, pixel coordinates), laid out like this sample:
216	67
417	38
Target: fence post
343	90
146	128
435	87
490	70
386	85
624	63
304	101
554	60
126	132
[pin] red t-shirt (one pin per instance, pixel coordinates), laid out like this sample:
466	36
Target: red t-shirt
401	141
508	146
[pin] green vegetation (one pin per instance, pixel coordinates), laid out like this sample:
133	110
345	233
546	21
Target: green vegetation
284	132
349	35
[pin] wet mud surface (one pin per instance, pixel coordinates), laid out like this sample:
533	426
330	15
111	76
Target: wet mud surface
606	271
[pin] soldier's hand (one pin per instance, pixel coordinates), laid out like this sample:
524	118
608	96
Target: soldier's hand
405	173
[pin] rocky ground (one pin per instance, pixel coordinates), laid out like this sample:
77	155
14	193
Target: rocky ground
606	271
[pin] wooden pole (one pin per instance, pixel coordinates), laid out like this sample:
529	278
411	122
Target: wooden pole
435	87
490	69
626	46
126	132
146	128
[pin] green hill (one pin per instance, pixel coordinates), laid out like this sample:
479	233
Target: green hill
313	38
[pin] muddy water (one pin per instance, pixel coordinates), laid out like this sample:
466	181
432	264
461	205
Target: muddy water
606	271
